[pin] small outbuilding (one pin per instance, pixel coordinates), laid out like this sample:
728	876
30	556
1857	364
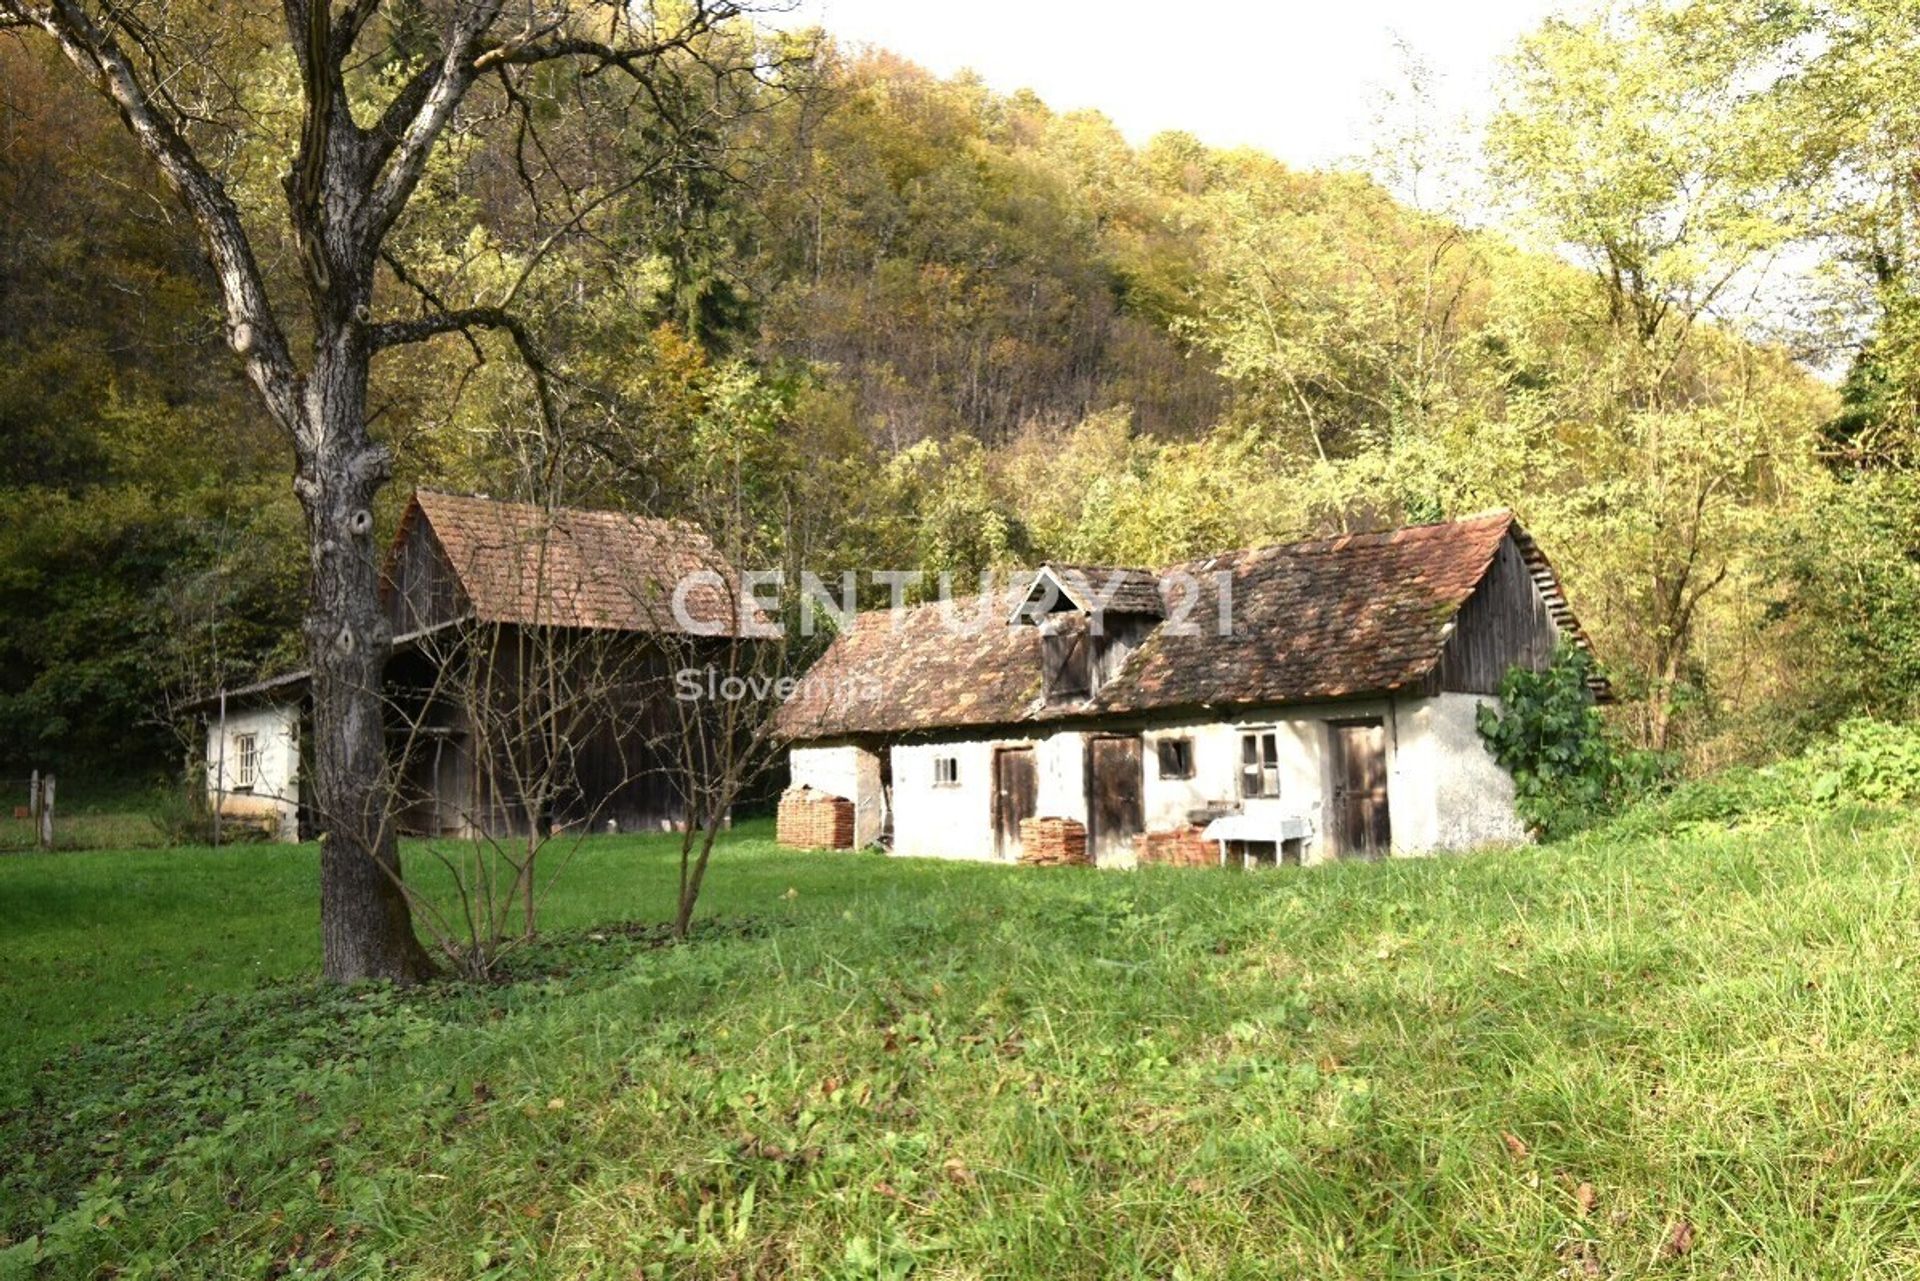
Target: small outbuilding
533	656
1275	705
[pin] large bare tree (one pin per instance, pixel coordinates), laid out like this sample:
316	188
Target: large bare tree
364	142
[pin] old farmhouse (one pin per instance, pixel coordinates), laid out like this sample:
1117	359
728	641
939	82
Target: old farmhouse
529	682
1283	704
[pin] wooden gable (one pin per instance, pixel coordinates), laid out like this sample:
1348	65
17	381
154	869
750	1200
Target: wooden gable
421	588
1516	617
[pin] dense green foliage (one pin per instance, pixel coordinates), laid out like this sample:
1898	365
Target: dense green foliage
912	322
1508	1064
1866	765
1568	767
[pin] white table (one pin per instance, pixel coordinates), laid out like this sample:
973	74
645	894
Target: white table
1275	828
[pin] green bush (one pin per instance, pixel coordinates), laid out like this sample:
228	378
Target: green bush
1870	762
184	817
1568	769
1867	766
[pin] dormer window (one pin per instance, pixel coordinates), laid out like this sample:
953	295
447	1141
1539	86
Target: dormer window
1090	619
1066	659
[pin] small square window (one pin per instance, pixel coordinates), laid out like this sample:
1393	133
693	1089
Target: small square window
1260	764
946	771
1176	758
246	761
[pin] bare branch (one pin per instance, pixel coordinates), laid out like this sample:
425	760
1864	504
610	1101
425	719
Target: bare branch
397	333
438	91
252	328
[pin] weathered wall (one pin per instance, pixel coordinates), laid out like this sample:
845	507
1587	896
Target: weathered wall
1473	795
1062	758
420	588
956	821
1444	790
944	820
1506	623
1216	771
1304	778
275	793
849	771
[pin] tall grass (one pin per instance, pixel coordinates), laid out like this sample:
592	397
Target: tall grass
1600	1058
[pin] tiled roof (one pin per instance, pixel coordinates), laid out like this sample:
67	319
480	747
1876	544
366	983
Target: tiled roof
1338	618
567	567
1123	590
1361	614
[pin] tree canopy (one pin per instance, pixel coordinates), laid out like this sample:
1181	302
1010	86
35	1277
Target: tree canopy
917	323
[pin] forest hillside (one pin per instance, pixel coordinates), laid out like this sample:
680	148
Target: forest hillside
911	322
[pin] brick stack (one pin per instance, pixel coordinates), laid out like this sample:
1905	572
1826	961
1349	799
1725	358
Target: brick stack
813	820
1177	847
1053	842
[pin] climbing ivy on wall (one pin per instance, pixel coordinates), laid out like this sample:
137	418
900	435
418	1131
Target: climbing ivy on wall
1568	768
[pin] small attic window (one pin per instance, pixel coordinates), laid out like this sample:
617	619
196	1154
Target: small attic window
1066	662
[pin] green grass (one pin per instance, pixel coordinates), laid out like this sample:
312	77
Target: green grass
111	815
1402	1069
92	936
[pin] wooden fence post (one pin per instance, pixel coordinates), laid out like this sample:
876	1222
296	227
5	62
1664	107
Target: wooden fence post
46	812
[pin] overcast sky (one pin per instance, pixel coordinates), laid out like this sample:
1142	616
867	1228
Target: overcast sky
1295	79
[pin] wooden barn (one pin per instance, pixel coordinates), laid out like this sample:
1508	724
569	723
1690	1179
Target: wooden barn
532	677
1281	704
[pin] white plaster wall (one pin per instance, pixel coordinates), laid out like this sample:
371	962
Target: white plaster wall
936	821
1444	791
276	788
846	771
1473	795
1302	740
1413	767
941	821
1062	761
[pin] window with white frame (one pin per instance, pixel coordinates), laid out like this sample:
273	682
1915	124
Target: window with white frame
1260	763
946	771
246	761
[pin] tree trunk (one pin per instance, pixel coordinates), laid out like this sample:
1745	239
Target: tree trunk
690	881
366	925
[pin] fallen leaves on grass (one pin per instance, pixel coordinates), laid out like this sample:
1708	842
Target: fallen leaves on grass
1679	1239
1585	1198
1516	1146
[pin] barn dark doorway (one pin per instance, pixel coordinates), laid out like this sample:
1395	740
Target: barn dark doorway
1016	796
1115	812
1359	767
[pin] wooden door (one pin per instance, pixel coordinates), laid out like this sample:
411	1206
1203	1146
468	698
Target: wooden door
1115	813
1016	796
1359	768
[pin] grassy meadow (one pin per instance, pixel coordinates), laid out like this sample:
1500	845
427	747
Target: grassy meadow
1607	1057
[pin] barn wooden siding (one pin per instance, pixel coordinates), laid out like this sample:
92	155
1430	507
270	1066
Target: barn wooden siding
626	765
1506	623
422	589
